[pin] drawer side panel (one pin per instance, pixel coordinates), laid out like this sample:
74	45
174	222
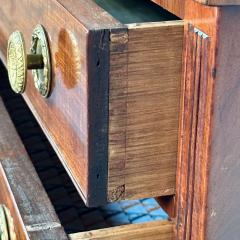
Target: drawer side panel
149	114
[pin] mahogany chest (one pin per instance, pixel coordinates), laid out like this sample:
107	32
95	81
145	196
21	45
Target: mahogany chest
136	100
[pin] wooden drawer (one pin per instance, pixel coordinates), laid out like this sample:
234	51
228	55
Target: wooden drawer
112	115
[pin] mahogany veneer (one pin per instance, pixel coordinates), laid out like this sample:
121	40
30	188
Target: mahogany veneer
219	2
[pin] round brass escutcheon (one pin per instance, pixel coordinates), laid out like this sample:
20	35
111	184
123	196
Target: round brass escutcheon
40	47
7	231
18	62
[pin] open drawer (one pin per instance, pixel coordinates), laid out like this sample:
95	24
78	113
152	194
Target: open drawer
113	110
40	201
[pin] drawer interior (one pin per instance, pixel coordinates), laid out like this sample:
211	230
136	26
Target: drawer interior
135	11
71	210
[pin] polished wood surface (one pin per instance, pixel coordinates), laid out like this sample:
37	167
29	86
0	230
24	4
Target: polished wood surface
198	80
220	2
176	7
83	11
21	190
223	215
144	111
193	165
197	54
79	113
158	230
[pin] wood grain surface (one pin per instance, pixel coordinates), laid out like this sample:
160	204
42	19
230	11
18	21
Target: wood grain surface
89	14
153	230
219	2
223	214
197	55
144	111
21	190
198	83
176	7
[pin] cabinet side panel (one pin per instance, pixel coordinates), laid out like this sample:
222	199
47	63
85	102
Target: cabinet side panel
223	195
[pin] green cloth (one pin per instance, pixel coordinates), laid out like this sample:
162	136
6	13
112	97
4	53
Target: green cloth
135	11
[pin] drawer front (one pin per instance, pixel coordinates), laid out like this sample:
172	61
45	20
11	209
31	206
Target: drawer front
111	116
7	199
21	190
158	230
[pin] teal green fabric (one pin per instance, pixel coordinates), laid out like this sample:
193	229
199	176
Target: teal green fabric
135	11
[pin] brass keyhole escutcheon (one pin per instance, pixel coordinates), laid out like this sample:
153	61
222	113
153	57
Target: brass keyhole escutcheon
38	60
7	231
40	55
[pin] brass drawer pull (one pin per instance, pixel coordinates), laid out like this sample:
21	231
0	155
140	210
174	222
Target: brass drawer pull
38	60
7	231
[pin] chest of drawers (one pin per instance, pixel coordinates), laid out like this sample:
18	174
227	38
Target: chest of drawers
142	104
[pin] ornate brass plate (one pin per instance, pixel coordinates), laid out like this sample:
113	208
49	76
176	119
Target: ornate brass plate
16	62
42	77
3	225
6	224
